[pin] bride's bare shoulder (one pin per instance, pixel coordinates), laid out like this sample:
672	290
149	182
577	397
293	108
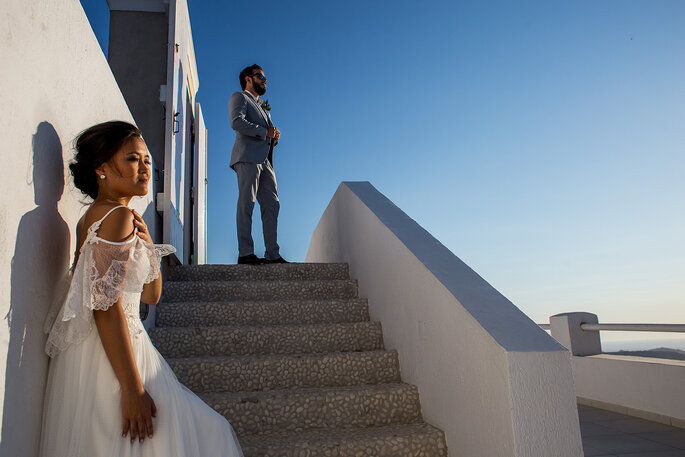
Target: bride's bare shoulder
117	226
118	223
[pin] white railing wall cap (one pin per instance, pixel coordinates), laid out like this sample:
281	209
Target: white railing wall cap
489	307
566	329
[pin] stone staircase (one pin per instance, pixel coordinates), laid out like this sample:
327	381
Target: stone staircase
288	355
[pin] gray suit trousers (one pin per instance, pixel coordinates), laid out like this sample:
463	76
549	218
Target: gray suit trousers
257	181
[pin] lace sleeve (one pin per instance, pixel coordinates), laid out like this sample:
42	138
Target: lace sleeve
105	271
155	252
115	269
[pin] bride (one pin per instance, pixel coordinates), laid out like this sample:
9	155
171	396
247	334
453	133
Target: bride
109	392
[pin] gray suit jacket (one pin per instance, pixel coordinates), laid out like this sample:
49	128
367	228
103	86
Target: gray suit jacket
250	124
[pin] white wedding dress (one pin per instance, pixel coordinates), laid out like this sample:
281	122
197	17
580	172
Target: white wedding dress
82	414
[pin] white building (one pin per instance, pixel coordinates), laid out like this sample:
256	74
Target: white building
55	83
153	60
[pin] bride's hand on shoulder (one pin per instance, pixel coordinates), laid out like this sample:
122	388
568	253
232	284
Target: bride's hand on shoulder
141	226
138	409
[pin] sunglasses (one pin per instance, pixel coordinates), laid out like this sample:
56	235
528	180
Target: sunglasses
259	76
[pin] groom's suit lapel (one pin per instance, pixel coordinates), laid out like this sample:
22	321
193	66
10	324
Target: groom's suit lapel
259	109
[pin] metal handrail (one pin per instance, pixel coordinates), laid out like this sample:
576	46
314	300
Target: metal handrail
636	327
628	327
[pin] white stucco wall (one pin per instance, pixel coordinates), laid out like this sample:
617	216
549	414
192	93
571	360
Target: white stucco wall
487	375
181	89
54	82
647	387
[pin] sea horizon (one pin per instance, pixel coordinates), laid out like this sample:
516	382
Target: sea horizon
643	344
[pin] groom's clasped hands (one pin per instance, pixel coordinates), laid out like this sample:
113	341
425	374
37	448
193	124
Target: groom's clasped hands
273	132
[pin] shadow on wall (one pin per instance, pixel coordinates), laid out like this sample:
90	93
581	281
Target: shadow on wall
41	259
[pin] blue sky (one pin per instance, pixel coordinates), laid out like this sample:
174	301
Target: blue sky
540	141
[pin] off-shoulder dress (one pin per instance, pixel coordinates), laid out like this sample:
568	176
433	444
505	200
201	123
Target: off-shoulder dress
82	410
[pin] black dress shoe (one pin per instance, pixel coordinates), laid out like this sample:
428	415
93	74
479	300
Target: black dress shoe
278	260
250	260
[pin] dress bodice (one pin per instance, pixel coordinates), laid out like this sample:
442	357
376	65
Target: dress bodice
131	304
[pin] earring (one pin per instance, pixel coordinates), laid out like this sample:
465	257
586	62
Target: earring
102	176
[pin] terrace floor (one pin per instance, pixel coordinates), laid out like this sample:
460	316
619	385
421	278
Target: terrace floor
609	434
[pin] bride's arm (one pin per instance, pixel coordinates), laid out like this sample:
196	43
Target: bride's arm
137	406
152	291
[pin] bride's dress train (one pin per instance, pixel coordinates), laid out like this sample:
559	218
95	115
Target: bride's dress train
82	412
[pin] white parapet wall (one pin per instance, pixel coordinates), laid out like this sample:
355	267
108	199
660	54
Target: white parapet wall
54	82
488	376
645	387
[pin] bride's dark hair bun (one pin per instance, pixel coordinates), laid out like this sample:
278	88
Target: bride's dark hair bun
95	146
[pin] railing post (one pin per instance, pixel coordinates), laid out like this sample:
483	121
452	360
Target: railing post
565	328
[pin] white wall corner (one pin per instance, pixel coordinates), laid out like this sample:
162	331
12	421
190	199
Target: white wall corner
544	378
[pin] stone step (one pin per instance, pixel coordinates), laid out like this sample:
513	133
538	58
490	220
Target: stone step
297	410
281	339
175	291
292	271
414	440
286	371
279	312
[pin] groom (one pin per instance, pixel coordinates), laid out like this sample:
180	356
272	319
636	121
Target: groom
252	160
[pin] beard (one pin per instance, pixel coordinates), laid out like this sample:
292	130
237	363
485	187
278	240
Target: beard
261	90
